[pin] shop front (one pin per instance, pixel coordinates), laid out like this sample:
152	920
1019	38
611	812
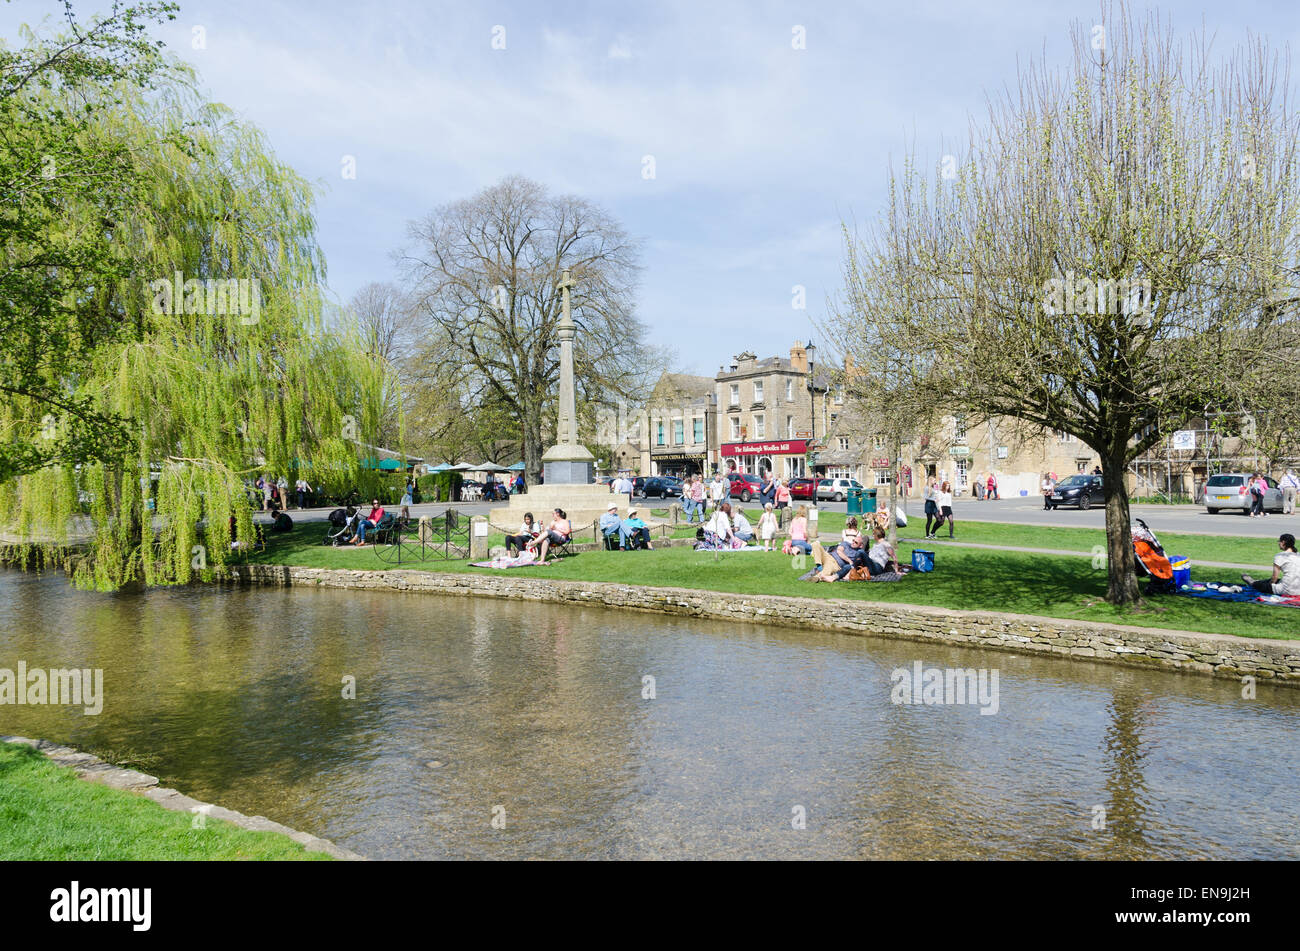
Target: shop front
786	458
677	463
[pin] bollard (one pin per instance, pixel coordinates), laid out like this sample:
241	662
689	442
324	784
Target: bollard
426	530
813	533
478	538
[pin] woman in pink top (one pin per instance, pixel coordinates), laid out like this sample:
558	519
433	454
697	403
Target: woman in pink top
557	533
799	531
369	522
782	494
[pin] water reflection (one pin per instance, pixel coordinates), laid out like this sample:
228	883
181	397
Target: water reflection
465	705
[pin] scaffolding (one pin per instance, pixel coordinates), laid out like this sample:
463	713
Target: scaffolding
1221	442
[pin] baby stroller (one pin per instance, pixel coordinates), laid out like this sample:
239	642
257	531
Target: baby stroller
342	527
1152	562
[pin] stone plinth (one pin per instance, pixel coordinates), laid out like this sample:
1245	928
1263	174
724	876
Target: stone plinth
568	464
583	504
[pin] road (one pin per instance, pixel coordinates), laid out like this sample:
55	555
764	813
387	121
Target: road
1016	511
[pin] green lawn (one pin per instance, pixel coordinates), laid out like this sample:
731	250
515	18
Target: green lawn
47	813
967	578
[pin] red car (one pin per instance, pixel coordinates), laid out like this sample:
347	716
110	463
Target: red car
803	489
744	486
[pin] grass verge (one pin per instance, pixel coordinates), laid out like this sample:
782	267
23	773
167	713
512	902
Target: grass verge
965	578
48	814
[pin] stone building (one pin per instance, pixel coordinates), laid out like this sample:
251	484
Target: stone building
769	417
678	427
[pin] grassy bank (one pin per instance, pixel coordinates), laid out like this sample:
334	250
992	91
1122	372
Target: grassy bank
47	813
970	579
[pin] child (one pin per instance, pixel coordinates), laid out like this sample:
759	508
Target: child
767	527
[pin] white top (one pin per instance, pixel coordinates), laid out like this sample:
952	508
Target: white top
943	498
1288	581
719	524
718	489
881	553
1289	481
767	525
526	529
740	525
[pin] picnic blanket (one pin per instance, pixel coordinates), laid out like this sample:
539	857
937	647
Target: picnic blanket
1222	591
523	560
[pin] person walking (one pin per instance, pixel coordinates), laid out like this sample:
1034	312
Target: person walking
719	489
1257	487
699	494
931	506
1290	485
992	487
783	496
1048	486
943	499
301	488
768	492
979	487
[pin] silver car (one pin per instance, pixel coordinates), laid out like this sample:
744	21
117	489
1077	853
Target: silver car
1230	491
836	490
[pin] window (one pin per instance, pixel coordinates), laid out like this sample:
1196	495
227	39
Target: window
699	430
735	427
844	443
735	394
759	429
1064	436
962	466
839	394
789	427
959	429
679	432
882	476
1002	452
758	391
789	391
880	440
659	429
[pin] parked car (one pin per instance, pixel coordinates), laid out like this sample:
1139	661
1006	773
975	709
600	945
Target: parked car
1231	491
1079	490
836	490
659	487
803	489
744	486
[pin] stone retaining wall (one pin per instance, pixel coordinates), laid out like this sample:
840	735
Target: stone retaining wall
1219	655
95	770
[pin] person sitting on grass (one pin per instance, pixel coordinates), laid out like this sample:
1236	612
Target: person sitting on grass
369	522
527	532
740	526
799	531
280	521
881	557
636	531
850	529
847	556
718	533
611	526
557	533
1286	570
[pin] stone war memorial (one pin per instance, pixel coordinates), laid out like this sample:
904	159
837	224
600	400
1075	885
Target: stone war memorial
568	467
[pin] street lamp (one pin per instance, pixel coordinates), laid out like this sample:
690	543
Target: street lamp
812	391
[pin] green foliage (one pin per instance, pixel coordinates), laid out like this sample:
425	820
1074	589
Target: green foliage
212	382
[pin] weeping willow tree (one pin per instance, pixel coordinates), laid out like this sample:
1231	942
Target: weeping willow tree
222	367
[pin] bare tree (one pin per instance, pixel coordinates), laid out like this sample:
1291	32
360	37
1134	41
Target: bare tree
482	277
1107	258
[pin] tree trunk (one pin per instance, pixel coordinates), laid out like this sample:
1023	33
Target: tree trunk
531	430
1121	579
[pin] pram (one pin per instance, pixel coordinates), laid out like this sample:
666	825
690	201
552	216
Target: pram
342	527
1151	560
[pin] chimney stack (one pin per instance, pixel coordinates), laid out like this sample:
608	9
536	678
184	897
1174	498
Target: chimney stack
799	358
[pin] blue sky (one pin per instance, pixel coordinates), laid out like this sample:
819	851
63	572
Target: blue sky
760	149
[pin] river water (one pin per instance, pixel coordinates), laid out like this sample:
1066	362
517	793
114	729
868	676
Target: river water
490	729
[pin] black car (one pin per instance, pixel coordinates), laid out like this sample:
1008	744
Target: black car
660	487
1080	490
